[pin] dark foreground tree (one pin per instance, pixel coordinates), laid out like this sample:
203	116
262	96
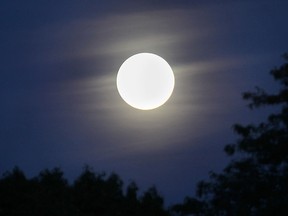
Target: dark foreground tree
255	182
90	195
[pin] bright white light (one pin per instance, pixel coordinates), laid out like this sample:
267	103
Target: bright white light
145	81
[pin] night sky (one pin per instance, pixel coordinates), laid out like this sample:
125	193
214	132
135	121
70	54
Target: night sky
60	106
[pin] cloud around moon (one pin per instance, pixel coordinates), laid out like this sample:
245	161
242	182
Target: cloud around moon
94	48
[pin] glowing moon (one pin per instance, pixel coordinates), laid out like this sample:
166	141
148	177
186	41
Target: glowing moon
145	81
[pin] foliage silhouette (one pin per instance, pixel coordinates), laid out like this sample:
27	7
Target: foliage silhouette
91	194
255	182
152	203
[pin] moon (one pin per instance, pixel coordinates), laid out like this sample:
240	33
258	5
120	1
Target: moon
145	81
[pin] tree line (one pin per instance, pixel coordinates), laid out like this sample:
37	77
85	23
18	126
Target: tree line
91	194
254	182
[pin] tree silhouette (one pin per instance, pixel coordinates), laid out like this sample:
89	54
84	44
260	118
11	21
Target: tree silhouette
52	193
91	194
152	203
132	203
255	182
14	190
188	207
98	194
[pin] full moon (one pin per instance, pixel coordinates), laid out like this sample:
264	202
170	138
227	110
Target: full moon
145	81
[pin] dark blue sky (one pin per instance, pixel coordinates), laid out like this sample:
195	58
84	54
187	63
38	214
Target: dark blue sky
59	102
